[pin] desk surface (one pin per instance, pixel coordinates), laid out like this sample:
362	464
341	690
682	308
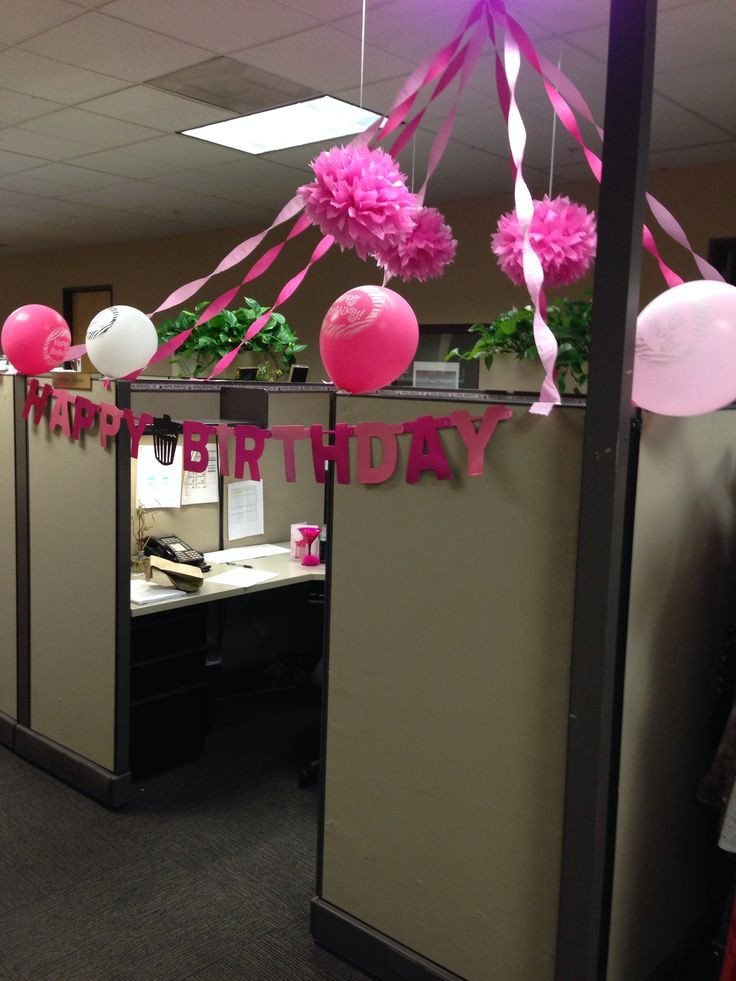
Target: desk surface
288	572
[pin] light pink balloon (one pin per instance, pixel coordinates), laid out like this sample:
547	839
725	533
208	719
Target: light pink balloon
368	338
35	339
685	361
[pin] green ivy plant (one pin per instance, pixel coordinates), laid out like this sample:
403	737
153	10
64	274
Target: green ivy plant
513	333
213	339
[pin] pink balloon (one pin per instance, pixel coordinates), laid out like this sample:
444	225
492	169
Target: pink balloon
685	361
368	338
35	339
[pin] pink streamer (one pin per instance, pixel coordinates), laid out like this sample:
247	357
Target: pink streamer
533	273
286	291
549	74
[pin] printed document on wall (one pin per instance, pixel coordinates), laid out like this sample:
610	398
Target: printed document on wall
158	486
244	509
202	488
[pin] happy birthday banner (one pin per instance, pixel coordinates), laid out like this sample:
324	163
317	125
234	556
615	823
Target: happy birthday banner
75	415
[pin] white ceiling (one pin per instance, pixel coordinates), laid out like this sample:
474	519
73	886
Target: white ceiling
89	149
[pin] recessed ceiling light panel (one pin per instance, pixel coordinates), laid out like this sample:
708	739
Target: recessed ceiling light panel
313	121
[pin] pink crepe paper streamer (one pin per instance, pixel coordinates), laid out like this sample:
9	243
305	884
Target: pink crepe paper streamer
550	74
75	352
664	218
533	272
286	291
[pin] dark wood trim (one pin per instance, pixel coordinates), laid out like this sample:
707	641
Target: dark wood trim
109	789
7	730
369	949
122	586
599	629
22	556
328	519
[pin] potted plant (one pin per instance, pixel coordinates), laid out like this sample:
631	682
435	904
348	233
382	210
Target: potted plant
276	341
513	333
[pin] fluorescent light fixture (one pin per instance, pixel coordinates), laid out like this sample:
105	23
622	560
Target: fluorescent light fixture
313	121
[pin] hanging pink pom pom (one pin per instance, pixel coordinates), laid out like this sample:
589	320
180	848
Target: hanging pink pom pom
562	234
423	253
360	197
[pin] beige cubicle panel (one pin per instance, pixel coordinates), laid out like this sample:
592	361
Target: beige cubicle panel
286	503
72	528
683	592
197	524
449	649
8	647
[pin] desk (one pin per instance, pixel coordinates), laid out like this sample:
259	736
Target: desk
289	572
169	648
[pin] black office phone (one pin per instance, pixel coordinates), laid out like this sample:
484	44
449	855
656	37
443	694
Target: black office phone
171	547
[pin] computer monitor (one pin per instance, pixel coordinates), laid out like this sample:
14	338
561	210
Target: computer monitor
298	373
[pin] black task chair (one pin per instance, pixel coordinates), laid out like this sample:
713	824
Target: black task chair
310	771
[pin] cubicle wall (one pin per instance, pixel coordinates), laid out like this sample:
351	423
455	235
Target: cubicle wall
683	598
196	524
286	503
8	585
448	674
77	621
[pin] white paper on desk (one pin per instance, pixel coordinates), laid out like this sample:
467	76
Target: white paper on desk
142	592
158	486
242	577
244	552
244	509
202	488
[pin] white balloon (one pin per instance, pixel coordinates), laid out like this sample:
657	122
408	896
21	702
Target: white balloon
120	339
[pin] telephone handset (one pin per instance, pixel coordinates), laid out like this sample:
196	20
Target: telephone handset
171	547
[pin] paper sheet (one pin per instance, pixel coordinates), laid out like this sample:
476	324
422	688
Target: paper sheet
158	486
202	488
244	552
242	577
142	592
244	509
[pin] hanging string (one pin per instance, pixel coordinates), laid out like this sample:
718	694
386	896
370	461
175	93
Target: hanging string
554	135
362	53
413	159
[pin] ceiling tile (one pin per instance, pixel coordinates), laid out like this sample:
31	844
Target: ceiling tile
20	140
403	27
324	58
23	71
693	155
101	44
19	21
593	40
379	97
688	36
706	89
123	164
183	152
15	107
27	183
95	130
142	194
680	128
261	172
69	175
227	26
201	182
562	15
329	10
148	106
13	163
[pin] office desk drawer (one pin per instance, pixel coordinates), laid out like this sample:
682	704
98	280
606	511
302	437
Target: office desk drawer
163	634
149	678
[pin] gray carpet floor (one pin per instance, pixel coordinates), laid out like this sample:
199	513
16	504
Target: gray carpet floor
206	875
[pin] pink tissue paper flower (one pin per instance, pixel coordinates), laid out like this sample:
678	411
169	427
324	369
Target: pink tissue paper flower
423	253
562	234
360	197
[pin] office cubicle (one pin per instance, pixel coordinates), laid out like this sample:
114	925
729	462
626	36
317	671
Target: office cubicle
65	692
446	774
